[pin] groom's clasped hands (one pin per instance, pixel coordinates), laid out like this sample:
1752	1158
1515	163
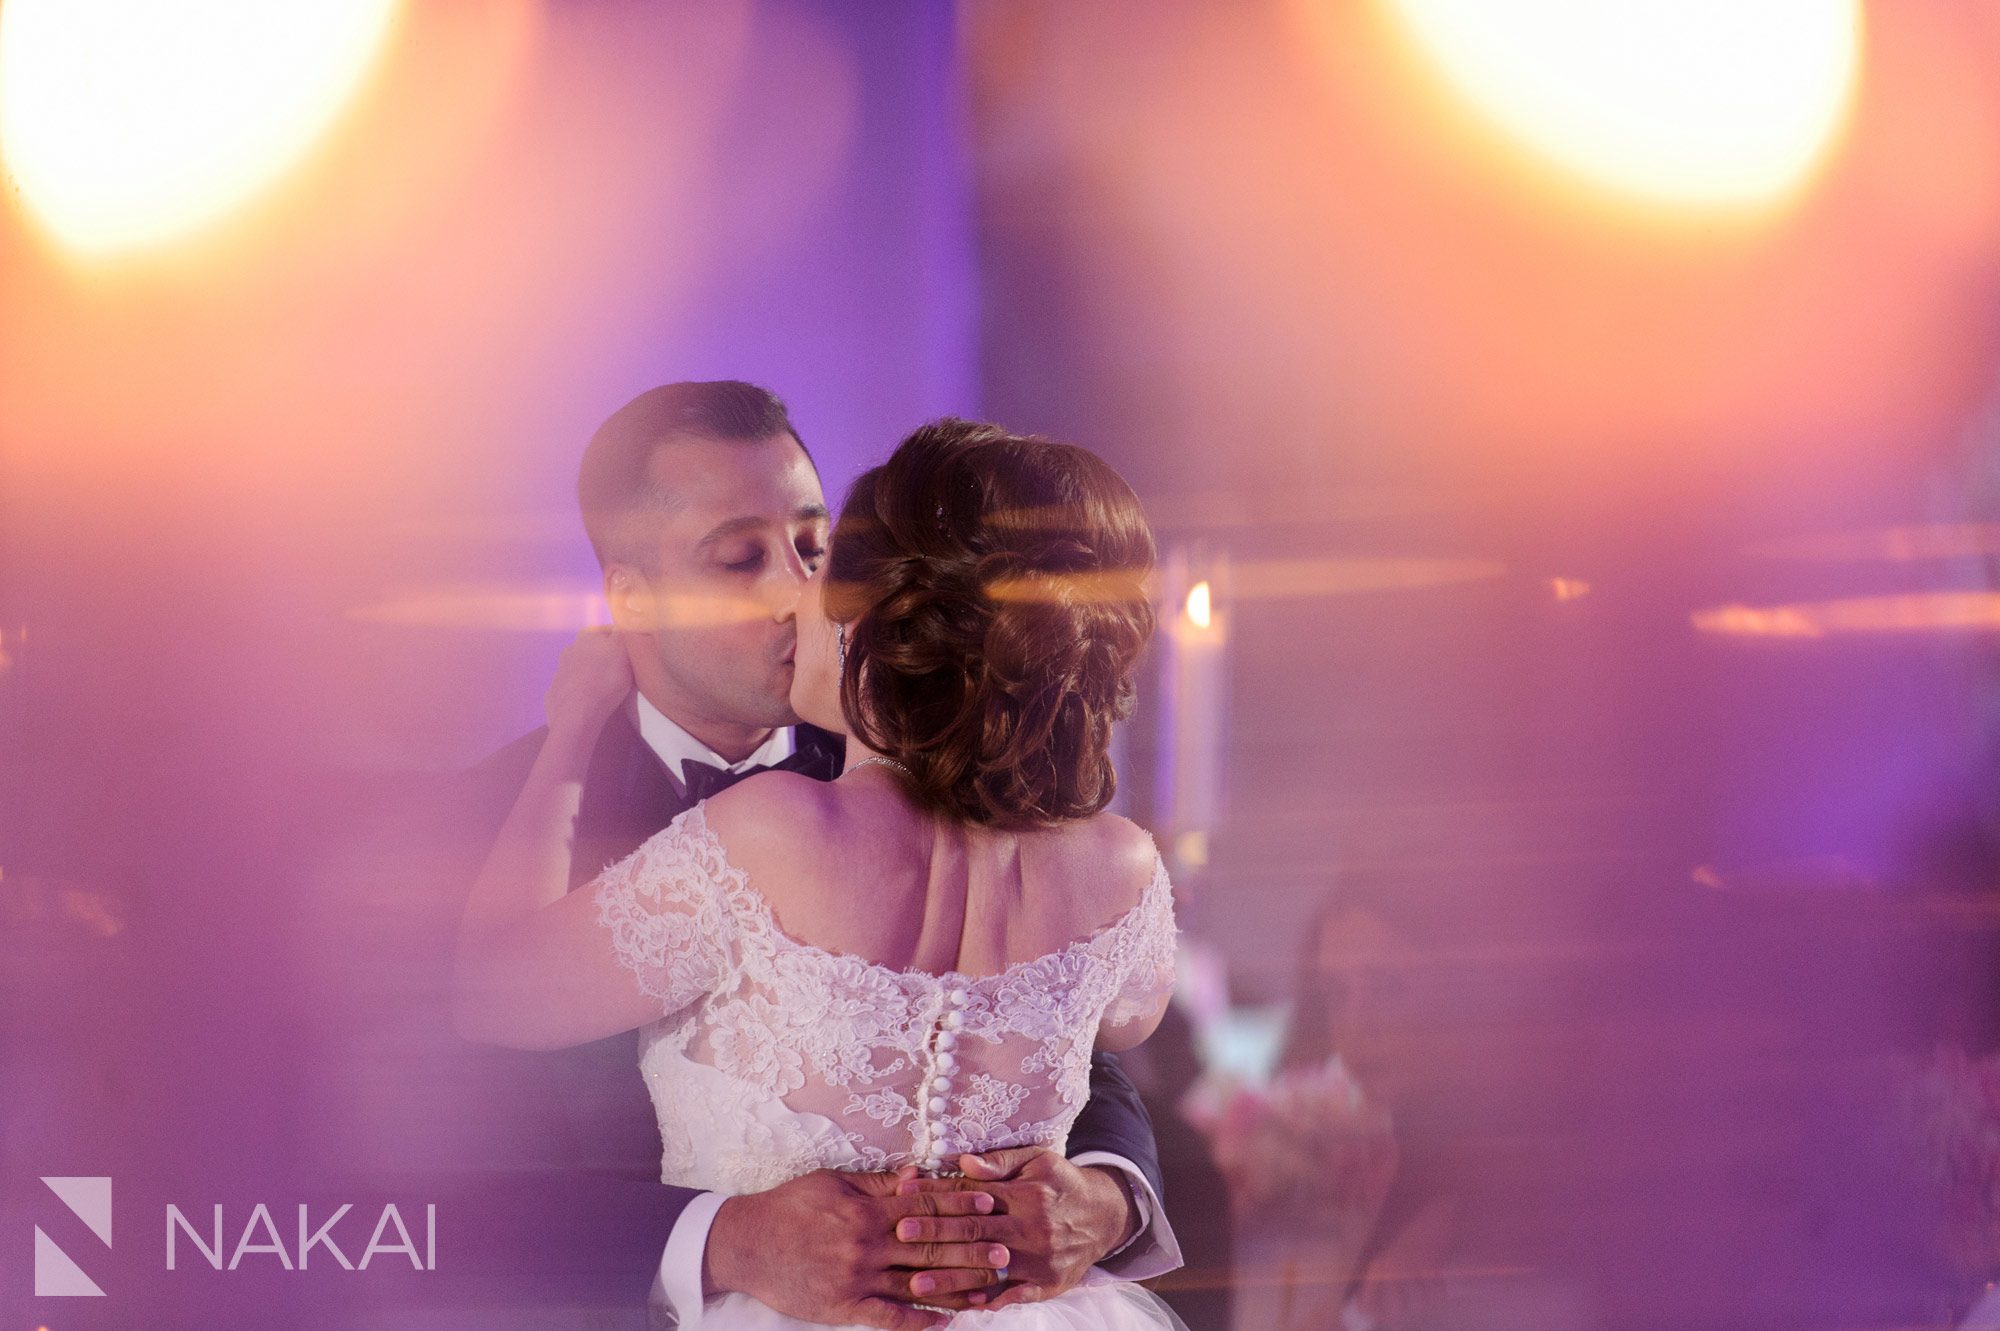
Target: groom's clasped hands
833	1247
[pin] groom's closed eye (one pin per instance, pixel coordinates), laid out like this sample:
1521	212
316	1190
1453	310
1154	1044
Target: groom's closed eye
752	560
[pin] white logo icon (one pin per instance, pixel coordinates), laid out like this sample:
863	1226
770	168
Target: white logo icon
56	1273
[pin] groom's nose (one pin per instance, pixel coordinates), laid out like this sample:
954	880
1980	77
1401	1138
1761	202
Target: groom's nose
783	586
785	607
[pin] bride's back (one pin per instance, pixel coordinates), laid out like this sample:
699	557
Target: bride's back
884	1005
855	868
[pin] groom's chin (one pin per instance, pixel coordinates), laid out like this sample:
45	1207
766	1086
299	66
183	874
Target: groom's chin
783	712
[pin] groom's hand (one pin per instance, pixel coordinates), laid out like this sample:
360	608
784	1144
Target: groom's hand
1057	1220
823	1247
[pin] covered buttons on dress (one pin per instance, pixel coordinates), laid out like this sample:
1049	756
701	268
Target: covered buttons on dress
937	1144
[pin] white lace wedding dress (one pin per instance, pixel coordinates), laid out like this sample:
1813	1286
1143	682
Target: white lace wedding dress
772	1058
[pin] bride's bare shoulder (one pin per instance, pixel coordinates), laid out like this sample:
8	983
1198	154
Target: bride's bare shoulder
774	828
771	810
1120	839
1116	852
801	840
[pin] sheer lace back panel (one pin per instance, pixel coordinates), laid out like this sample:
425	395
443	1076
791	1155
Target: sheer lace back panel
772	1057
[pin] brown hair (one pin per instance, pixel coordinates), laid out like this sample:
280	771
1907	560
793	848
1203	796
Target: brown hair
992	585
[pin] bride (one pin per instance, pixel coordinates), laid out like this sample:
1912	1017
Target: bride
915	961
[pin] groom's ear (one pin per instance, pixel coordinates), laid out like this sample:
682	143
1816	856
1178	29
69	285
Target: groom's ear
633	606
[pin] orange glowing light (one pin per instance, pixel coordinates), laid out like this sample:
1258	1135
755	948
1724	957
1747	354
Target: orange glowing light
1111	585
1569	589
1913	612
1199	608
125	124
1191	848
1693	103
542	606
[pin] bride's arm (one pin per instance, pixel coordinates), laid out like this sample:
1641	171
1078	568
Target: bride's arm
534	968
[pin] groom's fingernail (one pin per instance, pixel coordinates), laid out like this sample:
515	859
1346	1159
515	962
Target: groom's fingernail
996	1254
922	1284
907	1229
982	1202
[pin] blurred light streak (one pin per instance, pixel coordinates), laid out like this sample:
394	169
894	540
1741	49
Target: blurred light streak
126	124
1904	544
1750	621
1911	612
1708	104
1344	576
29	899
1569	589
1810	873
93	910
1070	588
543	608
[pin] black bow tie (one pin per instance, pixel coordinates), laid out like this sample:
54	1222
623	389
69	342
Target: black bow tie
706	779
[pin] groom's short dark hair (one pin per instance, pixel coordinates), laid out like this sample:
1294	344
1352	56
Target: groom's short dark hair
615	483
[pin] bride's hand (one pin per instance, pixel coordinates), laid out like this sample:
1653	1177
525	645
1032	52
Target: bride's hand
591	681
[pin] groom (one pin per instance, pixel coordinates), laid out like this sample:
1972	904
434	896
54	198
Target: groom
707	516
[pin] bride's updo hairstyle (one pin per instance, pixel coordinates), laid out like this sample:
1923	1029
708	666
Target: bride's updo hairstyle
992	589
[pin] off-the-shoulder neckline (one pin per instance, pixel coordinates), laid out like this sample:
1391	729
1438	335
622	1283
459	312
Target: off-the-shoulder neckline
696	819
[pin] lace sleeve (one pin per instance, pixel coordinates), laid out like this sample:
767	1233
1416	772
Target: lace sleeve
1147	975
662	904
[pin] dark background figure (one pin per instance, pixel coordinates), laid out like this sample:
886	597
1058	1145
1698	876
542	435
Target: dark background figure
1201	1293
1365	999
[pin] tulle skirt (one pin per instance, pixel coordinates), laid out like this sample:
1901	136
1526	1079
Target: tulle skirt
1101	1303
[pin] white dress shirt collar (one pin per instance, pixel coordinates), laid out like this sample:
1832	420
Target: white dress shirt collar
675	746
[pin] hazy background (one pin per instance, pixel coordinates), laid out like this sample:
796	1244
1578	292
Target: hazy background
1613	580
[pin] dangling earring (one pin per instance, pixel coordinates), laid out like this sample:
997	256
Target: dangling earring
840	640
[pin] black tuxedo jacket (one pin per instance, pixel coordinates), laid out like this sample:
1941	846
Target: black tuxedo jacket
576	1209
